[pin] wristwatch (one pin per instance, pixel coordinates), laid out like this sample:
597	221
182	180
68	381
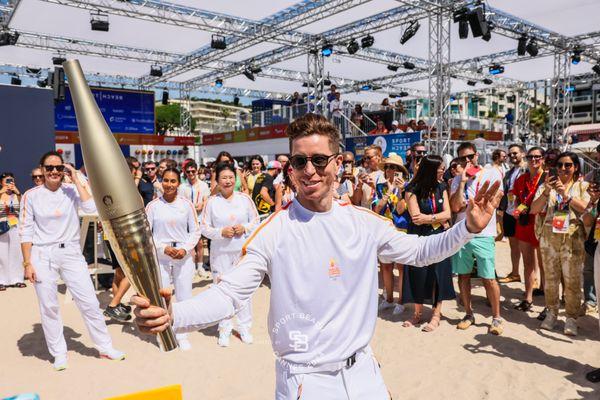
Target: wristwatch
26	263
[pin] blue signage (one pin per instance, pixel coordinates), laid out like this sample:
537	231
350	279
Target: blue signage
395	143
125	111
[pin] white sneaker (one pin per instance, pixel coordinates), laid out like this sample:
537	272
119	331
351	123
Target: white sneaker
60	363
398	309
224	339
112	354
384	305
184	344
571	327
549	321
246	336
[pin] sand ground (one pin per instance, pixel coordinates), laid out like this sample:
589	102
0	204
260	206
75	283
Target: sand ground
524	363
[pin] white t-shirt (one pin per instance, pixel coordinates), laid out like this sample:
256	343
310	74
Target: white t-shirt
512	178
196	193
323	273
472	188
51	217
220	212
335	108
173	222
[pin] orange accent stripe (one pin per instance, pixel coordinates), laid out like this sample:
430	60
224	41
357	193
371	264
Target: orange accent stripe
192	207
267	221
204	212
23	209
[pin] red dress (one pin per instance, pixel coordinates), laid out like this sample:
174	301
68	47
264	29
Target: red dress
524	190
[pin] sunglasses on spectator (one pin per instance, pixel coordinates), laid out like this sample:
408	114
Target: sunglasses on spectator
34	177
190	171
368	158
534	157
514	154
421	152
468	157
150	168
394	167
567	165
50	168
318	160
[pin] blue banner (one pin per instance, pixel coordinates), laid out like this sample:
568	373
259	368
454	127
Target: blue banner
395	143
125	111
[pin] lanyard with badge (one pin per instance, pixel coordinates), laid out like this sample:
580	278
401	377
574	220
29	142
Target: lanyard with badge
561	220
526	196
11	214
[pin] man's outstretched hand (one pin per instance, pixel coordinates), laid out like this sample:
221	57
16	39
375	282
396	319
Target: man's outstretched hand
152	319
483	207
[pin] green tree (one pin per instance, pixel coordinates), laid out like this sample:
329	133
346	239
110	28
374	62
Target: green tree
539	117
168	117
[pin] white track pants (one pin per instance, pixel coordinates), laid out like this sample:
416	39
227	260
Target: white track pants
50	264
180	273
362	381
11	259
221	263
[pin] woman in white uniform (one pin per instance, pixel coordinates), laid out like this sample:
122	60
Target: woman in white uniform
176	231
49	230
228	219
11	270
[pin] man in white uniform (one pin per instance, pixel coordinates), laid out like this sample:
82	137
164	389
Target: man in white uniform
321	257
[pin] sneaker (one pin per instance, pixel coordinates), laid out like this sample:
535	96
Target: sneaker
542	316
570	327
510	278
588	309
224	339
117	313
124	307
60	363
112	354
246	336
184	344
466	322
549	321
384	305
497	327
398	309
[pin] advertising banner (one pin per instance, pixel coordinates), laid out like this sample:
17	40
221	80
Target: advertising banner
395	143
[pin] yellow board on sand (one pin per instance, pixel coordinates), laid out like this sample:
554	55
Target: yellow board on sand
172	392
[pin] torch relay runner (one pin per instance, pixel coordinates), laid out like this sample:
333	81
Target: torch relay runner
321	258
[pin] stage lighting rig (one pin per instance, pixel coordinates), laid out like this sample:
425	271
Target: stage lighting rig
522	45
218	42
479	25
463	29
42	83
532	48
327	50
156	70
8	38
496	69
576	57
99	21
471	83
58	60
353	47
393	68
367	41
327	82
408	65
596	69
403	94
488	81
219	83
250	70
366	86
15	80
410	31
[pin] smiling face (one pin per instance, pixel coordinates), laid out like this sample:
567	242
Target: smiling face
535	160
440	172
256	166
373	159
314	185
150	170
516	155
53	171
566	168
170	183
226	181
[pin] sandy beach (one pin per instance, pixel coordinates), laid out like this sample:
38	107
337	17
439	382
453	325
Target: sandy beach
523	363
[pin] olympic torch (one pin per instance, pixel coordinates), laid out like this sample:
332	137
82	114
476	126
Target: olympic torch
119	204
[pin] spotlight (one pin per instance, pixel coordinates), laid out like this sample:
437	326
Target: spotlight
487	37
156	70
353	47
522	46
496	69
326	82
403	94
460	14
15	80
393	95
219	83
165	98
99	21
393	68
408	65
58	60
218	42
488	81
471	83
255	70
596	69
8	38
479	26
532	48
248	73
42	83
463	29
366	86
327	50
570	89
410	31
576	57
367	41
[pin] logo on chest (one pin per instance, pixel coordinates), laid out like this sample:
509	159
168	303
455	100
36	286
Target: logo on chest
334	270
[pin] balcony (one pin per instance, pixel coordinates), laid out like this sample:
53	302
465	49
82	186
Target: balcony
581	100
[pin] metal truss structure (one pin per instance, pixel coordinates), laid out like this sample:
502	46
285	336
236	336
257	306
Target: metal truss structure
282	29
560	98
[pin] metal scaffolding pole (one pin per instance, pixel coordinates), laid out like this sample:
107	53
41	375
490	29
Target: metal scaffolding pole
185	114
316	84
560	99
439	81
523	111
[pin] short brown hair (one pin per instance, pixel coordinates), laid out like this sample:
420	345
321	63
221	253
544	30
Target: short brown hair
313	124
375	147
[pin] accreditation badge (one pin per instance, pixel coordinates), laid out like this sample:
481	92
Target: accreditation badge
560	222
597	229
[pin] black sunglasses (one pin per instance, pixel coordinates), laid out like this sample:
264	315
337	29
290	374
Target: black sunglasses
50	168
190	171
318	160
469	157
150	169
567	165
421	152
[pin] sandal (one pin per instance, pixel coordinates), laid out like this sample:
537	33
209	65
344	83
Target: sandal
466	322
433	324
415	320
524	305
593	376
20	285
2	288
542	315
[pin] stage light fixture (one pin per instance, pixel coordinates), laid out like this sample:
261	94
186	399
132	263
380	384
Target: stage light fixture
327	82
410	31
367	41
471	83
366	86
522	45
219	83
532	48
403	94
463	29
15	80
488	81
488	36
42	83
408	65
393	95
255	70
327	50
156	70
218	42
353	47
8	38
576	57
59	60
479	25
496	69
596	69
165	98
248	73
99	21
393	68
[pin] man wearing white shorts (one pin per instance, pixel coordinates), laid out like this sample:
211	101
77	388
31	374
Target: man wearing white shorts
321	258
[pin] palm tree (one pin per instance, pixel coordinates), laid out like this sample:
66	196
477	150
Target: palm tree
539	118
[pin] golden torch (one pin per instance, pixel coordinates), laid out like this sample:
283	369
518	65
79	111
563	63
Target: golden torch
119	204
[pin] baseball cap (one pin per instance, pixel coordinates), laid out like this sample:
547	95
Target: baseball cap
394	122
274	165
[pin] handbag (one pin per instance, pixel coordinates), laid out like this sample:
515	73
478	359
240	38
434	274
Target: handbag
4	227
523	219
